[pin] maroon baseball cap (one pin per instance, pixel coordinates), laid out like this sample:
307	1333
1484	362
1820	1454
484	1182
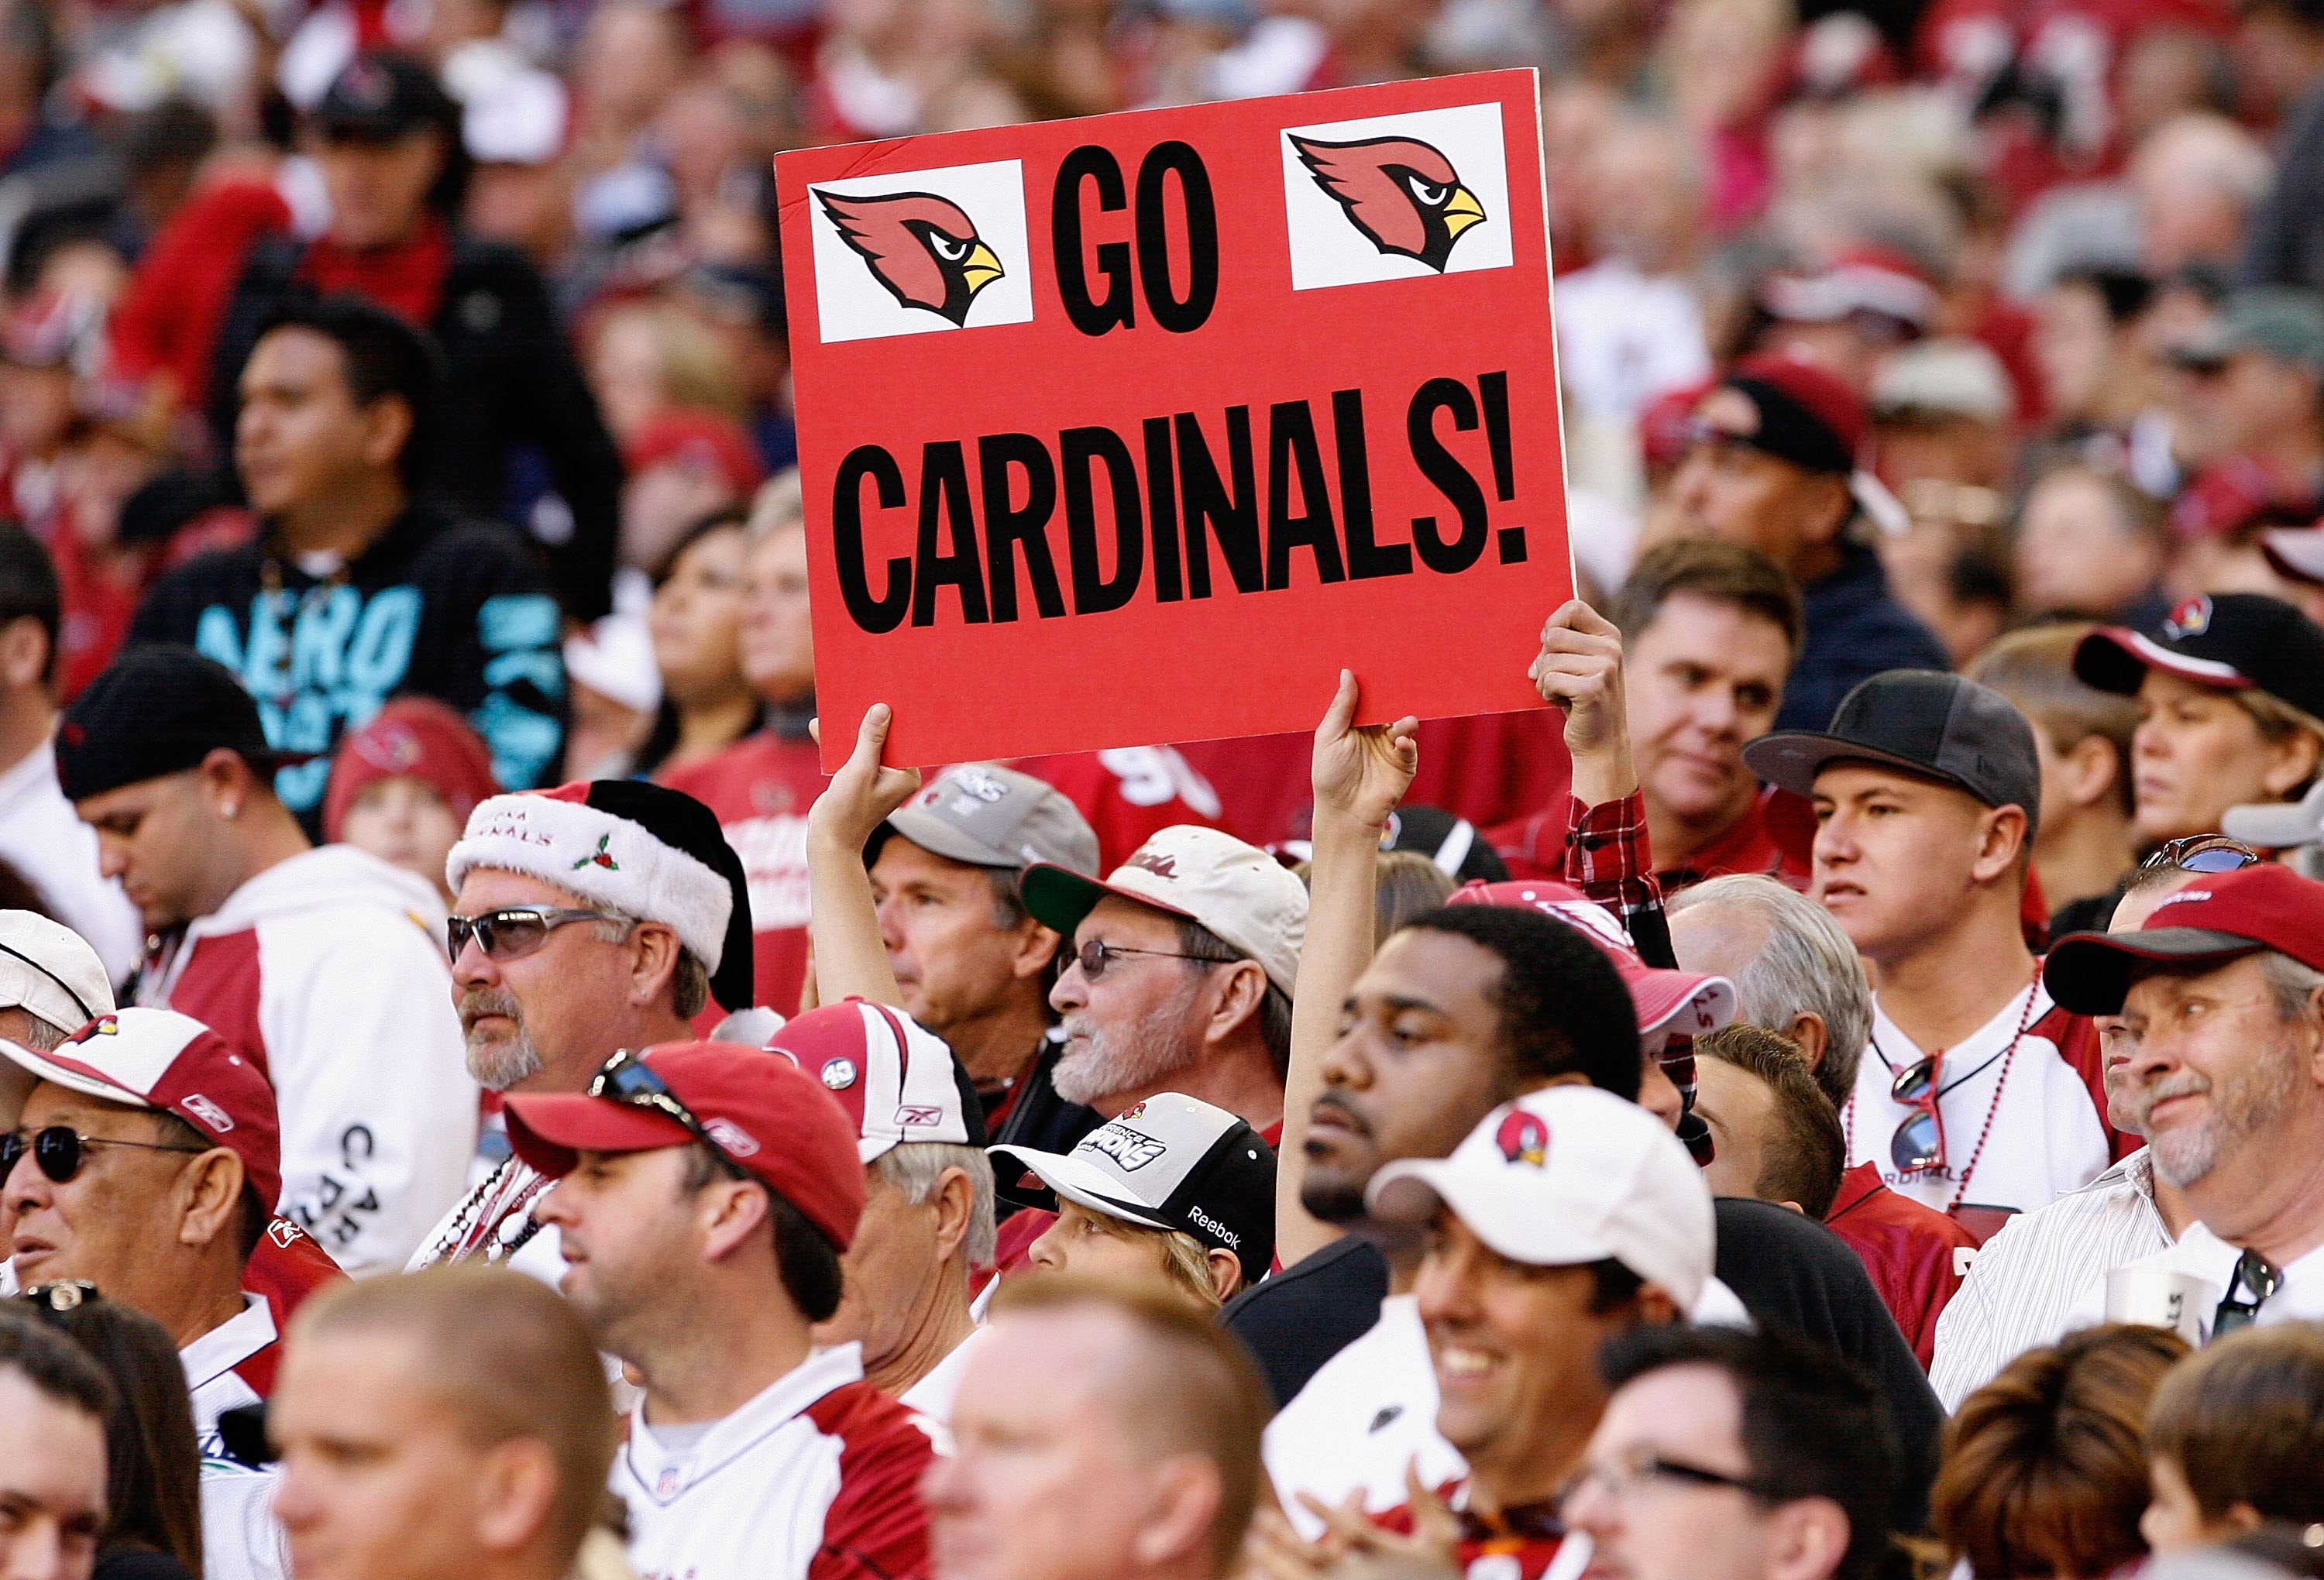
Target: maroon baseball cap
159	1059
1660	995
769	1118
896	1081
2218	919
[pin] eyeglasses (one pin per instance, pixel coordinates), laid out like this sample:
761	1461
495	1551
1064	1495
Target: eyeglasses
1093	957
2253	1274
1919	1144
63	1295
1622	1478
625	1077
58	1151
2201	853
515	931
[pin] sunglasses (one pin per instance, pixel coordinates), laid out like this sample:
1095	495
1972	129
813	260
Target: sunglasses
1094	957
627	1079
2253	1274
65	1294
513	932
1918	1145
2201	853
57	1152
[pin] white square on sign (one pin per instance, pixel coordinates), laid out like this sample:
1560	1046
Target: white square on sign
911	252
1397	196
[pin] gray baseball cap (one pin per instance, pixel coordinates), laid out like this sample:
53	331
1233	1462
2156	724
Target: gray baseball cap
2280	321
986	815
1939	726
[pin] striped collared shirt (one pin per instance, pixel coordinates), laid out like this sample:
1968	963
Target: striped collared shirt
2044	1274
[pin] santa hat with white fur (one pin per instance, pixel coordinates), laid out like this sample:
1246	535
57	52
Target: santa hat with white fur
643	849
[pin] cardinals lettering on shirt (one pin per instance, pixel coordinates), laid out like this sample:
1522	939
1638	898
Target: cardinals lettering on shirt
1239	496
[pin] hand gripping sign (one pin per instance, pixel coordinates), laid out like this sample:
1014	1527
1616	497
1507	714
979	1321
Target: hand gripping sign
1140	427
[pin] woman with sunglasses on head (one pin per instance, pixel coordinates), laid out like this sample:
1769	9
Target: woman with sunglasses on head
152	1494
2231	708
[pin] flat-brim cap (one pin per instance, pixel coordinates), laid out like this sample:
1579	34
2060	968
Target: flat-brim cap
2211	921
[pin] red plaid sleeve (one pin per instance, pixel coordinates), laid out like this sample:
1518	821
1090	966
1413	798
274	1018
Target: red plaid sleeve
1607	857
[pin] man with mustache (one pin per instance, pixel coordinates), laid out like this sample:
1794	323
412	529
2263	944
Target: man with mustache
2221	995
590	918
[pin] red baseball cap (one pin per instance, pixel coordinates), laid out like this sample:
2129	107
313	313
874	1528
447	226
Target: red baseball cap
709	440
415	738
2220	919
1699	1004
161	1060
769	1118
897	1080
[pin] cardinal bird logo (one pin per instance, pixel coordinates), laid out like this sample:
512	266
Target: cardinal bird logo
1523	1138
922	248
1404	195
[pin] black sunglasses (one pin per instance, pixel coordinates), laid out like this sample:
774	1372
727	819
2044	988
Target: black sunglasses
513	931
58	1151
57	1298
2201	853
2253	1274
625	1077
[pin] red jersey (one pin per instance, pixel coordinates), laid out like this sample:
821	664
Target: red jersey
1515	1543
1129	794
286	1267
761	788
1490	768
168	319
1763	840
1915	1254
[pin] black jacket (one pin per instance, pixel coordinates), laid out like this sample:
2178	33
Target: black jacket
452	610
510	380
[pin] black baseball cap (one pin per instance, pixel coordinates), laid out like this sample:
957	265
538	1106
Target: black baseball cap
2228	641
383	94
157	710
1938	726
1173	1163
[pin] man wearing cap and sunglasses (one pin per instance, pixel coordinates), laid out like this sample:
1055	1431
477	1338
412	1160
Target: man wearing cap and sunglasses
144	1160
590	918
1981	1096
319	965
706	1195
2221	1000
1773	466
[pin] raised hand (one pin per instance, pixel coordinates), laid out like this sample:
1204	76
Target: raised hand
1579	669
1362	772
863	793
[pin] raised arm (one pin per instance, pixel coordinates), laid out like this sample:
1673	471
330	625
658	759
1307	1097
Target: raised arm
1359	775
843	925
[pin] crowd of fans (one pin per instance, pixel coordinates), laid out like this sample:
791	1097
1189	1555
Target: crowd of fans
1835	1093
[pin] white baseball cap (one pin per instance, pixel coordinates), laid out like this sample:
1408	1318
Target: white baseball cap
1237	890
51	971
1565	1176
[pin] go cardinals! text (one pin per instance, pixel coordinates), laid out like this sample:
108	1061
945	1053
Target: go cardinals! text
1191	505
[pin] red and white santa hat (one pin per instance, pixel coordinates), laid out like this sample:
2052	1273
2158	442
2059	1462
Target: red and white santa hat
1678	1004
897	1079
644	850
159	1059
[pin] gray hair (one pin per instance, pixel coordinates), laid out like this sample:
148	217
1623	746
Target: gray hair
1806	966
913	1168
2292	984
40	1036
689	984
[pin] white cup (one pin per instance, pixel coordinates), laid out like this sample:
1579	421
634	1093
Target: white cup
2158	1297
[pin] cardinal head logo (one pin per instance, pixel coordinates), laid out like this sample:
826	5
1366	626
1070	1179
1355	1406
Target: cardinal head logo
1401	193
924	250
1523	1138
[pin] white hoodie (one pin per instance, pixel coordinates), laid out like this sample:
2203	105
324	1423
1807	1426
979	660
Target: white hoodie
328	970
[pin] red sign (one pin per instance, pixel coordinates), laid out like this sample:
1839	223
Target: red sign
1140	427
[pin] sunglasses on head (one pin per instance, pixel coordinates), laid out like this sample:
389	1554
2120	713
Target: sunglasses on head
627	1079
59	1150
512	931
2201	853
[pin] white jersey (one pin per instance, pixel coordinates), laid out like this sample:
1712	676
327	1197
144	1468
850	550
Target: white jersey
212	1362
241	1537
2043	1133
56	852
816	1478
328	970
932	1395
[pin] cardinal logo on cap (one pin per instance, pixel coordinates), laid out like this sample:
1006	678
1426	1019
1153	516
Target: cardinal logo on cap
1523	1138
103	1026
2192	618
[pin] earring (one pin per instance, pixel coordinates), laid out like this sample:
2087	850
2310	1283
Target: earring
232	809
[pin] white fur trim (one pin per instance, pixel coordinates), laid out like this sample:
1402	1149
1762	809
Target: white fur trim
568	843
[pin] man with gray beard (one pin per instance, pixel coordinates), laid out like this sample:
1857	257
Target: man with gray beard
1178	976
590	918
2221	1000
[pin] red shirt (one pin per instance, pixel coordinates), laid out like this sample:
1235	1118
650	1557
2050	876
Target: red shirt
1529	1536
1915	1254
761	788
1129	795
286	1267
168	319
1763	840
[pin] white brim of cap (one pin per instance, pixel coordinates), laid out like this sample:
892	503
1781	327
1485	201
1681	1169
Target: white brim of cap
1081	1184
1412	1190
1660	995
89	1086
